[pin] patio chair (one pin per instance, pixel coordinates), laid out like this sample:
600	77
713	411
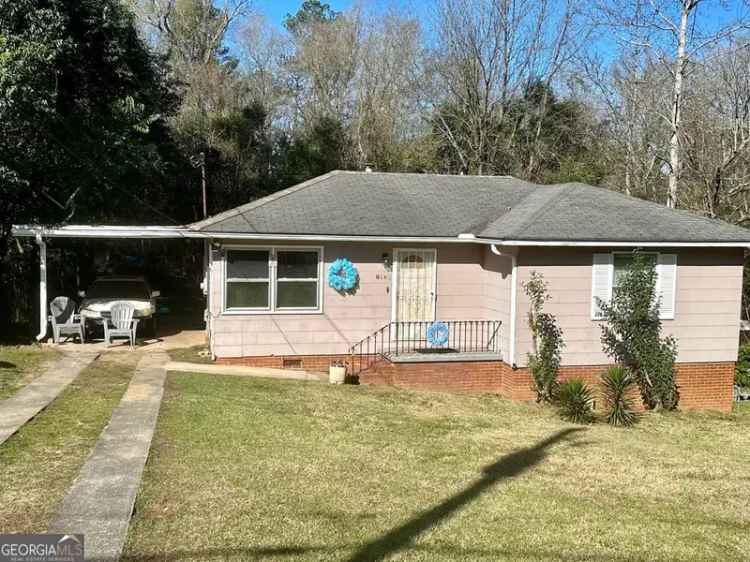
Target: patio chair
64	319
120	324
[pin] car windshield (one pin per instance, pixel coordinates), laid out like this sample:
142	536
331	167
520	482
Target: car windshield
118	290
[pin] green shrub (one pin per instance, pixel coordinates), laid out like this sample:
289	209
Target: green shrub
576	401
742	370
544	361
631	335
616	384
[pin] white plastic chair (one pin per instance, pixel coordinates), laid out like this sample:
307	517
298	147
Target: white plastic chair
121	324
64	319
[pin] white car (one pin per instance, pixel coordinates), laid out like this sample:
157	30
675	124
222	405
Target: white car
105	291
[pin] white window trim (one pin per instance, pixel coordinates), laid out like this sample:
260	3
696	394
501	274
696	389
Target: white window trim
272	280
611	283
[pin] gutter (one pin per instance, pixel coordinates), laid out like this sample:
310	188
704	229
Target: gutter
144	232
513	301
615	244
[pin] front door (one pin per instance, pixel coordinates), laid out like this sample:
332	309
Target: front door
414	285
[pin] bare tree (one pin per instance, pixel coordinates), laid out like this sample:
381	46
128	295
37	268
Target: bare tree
487	53
387	109
263	51
194	30
323	65
632	98
716	134
676	34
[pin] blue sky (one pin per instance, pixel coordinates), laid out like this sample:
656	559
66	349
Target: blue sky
276	10
712	14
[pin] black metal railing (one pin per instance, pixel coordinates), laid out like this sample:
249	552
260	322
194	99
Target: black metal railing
410	338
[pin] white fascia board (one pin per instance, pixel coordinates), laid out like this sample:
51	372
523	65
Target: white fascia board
328	237
86	231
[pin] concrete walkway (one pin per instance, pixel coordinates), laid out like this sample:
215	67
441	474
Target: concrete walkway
35	396
240	371
100	501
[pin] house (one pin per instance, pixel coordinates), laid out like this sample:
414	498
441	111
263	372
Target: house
455	250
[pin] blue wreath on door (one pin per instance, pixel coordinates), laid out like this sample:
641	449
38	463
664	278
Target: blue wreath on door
342	275
437	333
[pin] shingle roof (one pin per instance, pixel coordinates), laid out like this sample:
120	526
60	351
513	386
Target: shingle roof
496	207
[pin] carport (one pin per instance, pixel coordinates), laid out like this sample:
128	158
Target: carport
42	234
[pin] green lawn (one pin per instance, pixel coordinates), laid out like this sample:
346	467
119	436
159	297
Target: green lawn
245	469
38	464
19	364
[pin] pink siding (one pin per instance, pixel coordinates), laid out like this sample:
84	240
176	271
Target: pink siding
461	284
497	288
473	283
707	304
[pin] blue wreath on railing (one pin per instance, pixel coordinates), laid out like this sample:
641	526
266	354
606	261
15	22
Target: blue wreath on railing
437	333
342	275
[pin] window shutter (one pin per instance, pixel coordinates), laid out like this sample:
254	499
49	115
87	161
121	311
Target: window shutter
601	282
667	283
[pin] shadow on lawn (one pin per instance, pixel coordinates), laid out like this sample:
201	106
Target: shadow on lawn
506	467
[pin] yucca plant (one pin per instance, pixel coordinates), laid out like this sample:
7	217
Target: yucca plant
576	401
616	385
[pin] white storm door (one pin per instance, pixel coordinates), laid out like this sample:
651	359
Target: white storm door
415	277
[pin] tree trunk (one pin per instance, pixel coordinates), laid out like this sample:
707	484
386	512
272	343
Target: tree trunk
679	72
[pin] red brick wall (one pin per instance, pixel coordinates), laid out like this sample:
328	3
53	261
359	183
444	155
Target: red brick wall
706	386
456	376
703	386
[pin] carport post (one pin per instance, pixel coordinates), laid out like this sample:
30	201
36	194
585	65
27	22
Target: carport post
42	287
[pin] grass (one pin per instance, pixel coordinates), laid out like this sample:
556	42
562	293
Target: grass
38	464
190	354
251	469
19	364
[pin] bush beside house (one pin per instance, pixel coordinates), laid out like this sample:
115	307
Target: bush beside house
544	361
631	334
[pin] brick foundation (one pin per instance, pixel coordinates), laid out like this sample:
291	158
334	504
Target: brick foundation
314	363
703	386
455	376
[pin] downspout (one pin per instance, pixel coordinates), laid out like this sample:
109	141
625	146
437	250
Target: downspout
42	287
513	301
208	289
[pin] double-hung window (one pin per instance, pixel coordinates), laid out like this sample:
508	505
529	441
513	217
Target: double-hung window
297	279
248	279
273	280
608	270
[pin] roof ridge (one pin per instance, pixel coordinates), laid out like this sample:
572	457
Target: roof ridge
229	213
